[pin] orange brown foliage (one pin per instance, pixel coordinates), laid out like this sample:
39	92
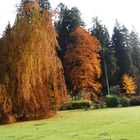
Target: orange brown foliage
31	74
82	62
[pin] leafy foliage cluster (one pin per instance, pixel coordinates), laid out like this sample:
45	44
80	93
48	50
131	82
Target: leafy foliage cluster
82	62
82	104
31	78
111	101
129	84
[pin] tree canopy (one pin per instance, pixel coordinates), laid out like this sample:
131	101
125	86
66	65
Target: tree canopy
82	62
69	20
129	84
32	84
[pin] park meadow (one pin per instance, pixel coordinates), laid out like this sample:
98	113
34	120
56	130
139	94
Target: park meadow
60	80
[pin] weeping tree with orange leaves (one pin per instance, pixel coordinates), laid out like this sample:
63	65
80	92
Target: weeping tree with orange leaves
82	62
129	84
32	84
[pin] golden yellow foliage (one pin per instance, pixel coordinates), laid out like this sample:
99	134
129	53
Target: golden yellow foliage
31	71
129	84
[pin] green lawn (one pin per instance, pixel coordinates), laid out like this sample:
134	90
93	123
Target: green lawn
102	124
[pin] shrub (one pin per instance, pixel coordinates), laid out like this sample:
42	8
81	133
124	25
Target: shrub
83	104
97	106
124	102
66	106
135	101
115	90
111	101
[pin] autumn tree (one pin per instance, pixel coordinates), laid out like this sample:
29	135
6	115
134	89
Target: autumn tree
82	63
32	84
129	84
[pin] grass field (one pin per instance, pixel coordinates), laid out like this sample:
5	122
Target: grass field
102	124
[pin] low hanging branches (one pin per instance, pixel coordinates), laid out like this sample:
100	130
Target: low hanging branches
31	76
82	62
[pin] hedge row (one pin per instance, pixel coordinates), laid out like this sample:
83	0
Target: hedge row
84	104
110	101
114	101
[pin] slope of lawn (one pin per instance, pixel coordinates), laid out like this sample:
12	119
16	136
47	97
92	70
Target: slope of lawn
102	124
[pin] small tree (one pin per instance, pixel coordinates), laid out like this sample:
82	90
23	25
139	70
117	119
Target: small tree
129	84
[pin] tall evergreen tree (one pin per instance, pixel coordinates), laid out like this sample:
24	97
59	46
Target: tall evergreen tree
8	29
135	44
44	4
69	20
102	34
123	52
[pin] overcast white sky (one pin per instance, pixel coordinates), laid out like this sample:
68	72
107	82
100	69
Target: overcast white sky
126	11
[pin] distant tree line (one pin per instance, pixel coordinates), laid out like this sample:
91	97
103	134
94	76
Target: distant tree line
120	53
